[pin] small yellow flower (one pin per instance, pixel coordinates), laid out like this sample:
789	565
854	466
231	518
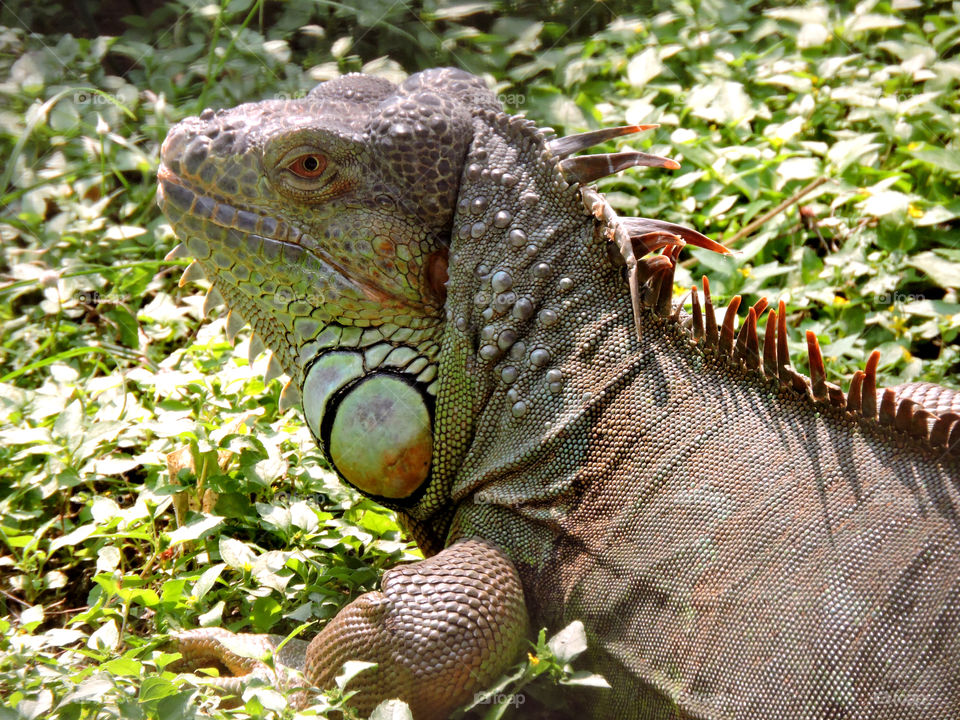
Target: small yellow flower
534	660
913	146
914	211
840	300
745	271
907	355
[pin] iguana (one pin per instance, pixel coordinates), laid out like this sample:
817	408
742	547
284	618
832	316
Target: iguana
479	342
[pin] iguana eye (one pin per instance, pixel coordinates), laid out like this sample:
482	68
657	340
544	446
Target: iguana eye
308	166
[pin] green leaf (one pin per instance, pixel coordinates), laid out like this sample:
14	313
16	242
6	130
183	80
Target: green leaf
195	530
207	580
266	612
942	158
569	642
123	666
126	324
236	554
392	710
586	679
943	272
351	669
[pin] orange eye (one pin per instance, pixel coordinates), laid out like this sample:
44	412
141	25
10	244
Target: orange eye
308	166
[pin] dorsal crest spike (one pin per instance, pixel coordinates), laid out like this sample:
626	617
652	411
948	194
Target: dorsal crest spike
855	394
759	306
922	419
770	345
836	396
903	420
748	348
697	315
783	352
587	168
940	433
676	311
665	288
662	233
562	147
818	373
725	346
953	444
888	407
869	394
710	314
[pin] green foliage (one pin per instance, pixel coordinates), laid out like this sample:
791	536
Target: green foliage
106	368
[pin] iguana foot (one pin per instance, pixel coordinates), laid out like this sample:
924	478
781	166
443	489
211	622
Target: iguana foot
440	630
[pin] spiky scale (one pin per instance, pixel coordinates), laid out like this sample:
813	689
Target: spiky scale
797	381
836	395
213	299
256	347
192	273
179	251
725	344
235	323
289	397
662	233
274	369
903	420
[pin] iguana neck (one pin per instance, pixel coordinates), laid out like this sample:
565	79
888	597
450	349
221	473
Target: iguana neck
529	272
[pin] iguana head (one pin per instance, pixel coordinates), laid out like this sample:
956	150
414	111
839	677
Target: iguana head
324	222
327	222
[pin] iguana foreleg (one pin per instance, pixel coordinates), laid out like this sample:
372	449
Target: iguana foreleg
439	630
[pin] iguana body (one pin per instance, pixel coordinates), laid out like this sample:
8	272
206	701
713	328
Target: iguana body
739	541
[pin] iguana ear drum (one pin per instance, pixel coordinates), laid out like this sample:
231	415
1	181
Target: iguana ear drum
375	427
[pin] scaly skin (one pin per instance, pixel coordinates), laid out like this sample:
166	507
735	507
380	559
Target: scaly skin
739	541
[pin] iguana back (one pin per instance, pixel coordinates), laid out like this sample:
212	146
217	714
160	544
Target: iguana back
738	540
